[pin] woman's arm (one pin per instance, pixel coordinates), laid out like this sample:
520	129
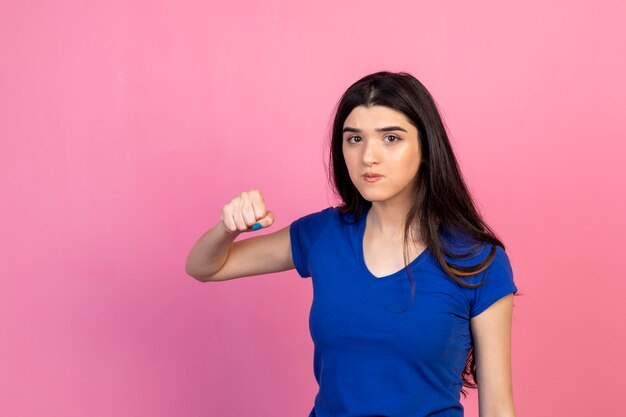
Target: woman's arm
491	332
210	252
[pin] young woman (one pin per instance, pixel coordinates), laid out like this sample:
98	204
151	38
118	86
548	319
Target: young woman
412	291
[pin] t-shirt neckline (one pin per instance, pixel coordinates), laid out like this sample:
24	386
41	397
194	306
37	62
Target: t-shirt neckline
359	242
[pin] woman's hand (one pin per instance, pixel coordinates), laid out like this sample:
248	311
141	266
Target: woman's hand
246	212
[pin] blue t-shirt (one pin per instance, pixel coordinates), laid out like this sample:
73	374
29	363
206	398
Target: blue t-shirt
370	358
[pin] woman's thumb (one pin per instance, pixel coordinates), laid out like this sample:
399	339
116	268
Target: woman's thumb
264	221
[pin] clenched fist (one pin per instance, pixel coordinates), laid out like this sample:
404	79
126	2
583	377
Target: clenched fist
246	212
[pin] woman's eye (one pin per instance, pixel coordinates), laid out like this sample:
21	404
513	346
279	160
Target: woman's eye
352	137
393	136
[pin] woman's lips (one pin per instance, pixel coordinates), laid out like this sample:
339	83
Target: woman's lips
372	178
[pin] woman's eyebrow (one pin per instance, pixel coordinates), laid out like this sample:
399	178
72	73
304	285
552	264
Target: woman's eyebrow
380	129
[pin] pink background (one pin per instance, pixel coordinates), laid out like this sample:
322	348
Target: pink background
126	126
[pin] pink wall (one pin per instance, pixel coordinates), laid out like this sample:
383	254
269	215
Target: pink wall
125	126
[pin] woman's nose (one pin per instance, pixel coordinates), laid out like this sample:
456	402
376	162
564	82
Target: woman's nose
370	153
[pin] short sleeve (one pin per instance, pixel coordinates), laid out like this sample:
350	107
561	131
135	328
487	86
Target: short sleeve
304	233
498	282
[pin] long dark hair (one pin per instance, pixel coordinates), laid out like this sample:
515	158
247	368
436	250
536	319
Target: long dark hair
442	205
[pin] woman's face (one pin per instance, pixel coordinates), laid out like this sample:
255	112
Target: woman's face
381	140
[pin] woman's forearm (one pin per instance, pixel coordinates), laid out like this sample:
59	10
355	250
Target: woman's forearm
210	252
